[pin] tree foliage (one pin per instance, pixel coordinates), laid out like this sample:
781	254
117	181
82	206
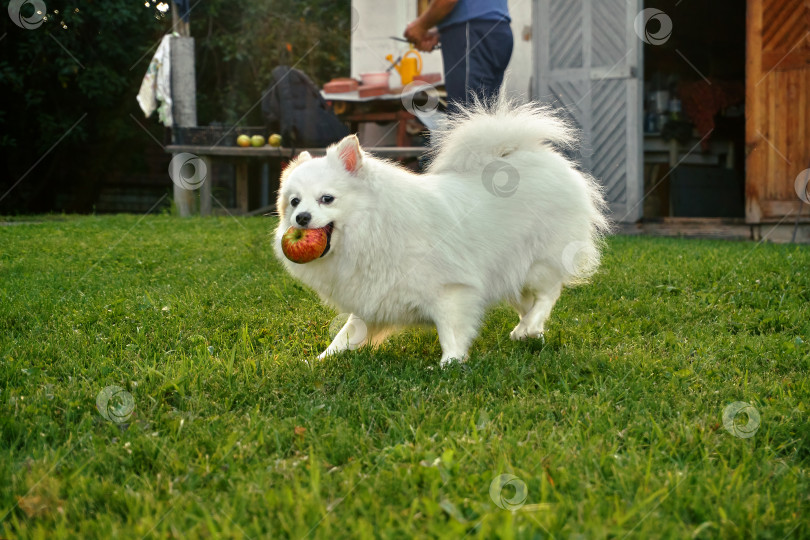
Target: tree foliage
237	48
70	119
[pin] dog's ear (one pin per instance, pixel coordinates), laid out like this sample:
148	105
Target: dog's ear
349	153
304	156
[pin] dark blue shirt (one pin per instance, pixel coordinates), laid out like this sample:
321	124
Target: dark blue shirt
482	10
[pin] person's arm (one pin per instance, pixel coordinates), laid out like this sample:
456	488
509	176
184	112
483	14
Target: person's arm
418	31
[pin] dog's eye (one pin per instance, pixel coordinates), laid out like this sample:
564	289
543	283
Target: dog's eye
294	202
327	199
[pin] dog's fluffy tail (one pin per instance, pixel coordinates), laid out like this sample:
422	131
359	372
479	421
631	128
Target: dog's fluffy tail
491	131
494	129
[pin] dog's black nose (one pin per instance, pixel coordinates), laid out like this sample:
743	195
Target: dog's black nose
303	218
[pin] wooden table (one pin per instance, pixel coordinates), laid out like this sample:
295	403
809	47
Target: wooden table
240	157
663	156
659	150
352	108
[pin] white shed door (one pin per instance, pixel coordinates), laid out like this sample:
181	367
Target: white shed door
588	60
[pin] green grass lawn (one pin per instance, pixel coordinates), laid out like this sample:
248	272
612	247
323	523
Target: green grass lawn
612	429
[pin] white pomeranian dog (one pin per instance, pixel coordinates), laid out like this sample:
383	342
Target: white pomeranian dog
500	214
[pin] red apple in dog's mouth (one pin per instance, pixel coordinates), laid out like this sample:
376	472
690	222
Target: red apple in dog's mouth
305	245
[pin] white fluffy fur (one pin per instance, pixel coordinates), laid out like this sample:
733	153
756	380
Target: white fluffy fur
443	246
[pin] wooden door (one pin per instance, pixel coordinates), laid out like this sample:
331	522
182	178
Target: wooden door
587	60
777	106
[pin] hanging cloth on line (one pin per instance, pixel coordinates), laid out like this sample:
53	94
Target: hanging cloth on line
156	87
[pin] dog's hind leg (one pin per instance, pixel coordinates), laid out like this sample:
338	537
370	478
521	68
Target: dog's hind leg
534	308
457	315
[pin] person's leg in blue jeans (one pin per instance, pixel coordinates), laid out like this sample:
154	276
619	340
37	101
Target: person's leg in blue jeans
475	56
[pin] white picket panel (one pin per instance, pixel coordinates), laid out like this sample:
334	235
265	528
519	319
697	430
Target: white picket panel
588	61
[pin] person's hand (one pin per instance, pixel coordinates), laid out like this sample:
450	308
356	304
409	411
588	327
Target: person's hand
424	40
415	32
422	32
430	40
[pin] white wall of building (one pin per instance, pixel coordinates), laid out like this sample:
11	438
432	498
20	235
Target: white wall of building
377	20
519	72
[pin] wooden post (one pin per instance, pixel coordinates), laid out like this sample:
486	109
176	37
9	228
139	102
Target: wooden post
242	186
178	24
205	189
184	104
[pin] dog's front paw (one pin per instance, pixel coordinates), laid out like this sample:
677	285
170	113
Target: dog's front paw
523	333
448	361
